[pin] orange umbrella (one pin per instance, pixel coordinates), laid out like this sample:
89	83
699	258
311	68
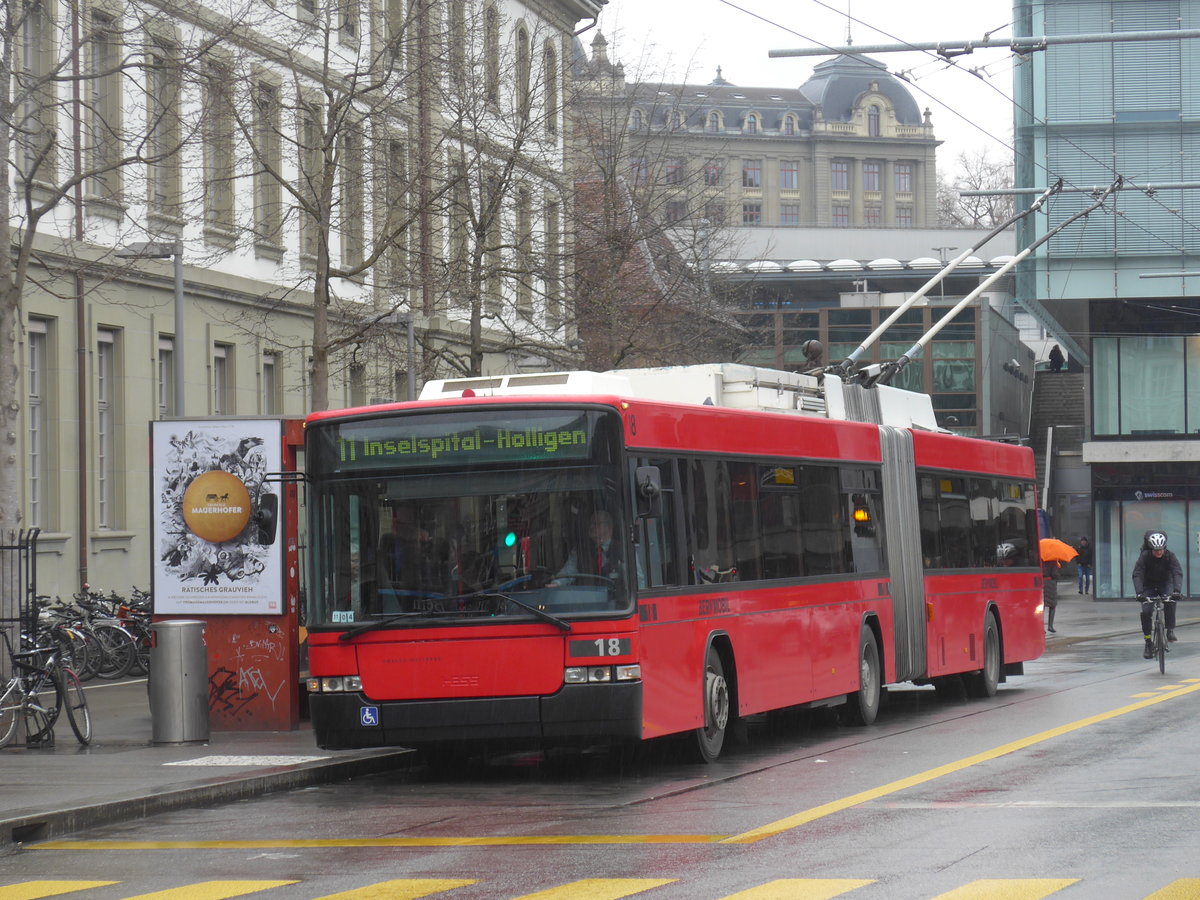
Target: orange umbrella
1054	550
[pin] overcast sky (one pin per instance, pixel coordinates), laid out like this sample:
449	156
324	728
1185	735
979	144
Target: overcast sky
677	40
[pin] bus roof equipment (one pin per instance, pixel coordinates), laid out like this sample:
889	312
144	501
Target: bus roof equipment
714	384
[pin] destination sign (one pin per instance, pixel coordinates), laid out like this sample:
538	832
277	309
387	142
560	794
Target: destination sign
428	441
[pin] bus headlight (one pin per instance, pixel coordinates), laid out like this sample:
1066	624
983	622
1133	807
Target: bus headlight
601	674
333	684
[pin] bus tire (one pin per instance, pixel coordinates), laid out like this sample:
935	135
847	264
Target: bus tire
862	707
711	737
986	681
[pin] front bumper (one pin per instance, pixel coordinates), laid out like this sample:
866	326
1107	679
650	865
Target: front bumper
610	711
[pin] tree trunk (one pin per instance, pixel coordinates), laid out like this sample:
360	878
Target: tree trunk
10	406
320	344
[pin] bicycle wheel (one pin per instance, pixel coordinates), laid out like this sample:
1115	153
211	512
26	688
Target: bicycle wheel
117	644
141	647
42	704
75	701
72	648
89	659
1160	640
10	703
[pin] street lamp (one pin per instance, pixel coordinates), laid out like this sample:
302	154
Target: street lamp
174	251
406	319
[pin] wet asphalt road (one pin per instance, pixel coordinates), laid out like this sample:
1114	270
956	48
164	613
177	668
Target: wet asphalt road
1076	781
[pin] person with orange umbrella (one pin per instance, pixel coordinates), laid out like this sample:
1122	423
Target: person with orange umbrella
1054	553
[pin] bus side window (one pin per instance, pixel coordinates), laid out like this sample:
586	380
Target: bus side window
927	512
780	515
1012	523
954	522
826	532
747	549
985	531
657	564
706	504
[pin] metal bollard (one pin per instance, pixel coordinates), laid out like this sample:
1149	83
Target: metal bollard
179	682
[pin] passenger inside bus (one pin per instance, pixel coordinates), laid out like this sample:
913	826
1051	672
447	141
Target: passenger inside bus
596	557
411	566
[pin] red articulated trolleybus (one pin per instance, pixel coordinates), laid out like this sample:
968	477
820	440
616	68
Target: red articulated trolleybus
776	541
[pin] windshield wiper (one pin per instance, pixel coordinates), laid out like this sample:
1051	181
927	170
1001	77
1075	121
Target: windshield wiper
540	613
379	623
431	613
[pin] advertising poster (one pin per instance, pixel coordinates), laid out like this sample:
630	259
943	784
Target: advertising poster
210	553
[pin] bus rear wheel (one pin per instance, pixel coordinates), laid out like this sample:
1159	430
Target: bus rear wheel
986	681
711	738
862	707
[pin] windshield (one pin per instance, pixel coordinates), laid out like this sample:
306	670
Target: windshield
502	528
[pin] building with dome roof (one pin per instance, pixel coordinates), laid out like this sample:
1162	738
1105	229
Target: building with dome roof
848	148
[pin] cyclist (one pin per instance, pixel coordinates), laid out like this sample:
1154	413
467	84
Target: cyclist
1157	573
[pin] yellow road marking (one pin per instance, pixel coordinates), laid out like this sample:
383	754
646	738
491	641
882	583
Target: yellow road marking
747	837
401	889
598	889
826	809
800	889
1008	889
32	890
212	890
1180	889
292	843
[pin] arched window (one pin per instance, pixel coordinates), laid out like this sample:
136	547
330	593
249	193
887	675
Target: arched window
491	53
714	122
677	120
752	124
635	120
523	101
550	73
789	124
873	121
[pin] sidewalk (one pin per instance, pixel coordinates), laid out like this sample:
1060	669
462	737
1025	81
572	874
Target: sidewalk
123	776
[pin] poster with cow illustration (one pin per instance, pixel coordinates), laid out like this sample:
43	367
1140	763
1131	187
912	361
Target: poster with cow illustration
214	551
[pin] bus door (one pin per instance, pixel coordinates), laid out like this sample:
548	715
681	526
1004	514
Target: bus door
904	551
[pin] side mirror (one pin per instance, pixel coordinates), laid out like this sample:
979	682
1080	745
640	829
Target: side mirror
266	519
649	492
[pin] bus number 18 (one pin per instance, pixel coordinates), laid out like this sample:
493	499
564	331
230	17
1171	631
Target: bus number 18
601	646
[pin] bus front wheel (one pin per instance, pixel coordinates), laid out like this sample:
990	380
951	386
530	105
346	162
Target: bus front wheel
711	738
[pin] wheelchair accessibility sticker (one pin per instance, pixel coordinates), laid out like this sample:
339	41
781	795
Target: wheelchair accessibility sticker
368	715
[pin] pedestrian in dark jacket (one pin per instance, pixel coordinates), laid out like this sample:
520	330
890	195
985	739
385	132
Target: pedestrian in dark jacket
1050	591
1083	565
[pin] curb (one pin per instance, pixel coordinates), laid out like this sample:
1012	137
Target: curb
22	826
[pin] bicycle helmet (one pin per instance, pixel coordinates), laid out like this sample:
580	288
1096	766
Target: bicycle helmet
1156	540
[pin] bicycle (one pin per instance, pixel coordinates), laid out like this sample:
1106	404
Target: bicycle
38	690
1158	631
32	694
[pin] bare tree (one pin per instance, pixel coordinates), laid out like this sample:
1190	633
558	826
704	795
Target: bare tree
649	221
977	171
71	151
420	168
326	125
501	261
